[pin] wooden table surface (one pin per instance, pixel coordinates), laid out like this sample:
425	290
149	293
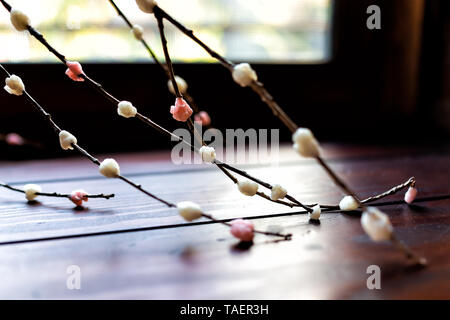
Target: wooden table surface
132	247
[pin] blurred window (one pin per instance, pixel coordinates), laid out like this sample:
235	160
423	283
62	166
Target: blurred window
284	31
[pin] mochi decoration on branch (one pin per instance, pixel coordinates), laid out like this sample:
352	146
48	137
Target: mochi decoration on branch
208	154
315	215
376	224
305	143
74	70
126	109
242	229
181	83
137	31
190	211
348	203
248	187
146	6
243	74
14	85
203	117
78	196
278	192
14	139
19	20
32	191
378	227
411	194
181	111
67	140
245	231
109	168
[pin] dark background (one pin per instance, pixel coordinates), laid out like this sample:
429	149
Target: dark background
388	86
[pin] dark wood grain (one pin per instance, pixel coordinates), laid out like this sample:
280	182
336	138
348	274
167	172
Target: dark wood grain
133	247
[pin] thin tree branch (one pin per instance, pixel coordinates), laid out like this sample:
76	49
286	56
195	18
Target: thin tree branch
166	55
56	194
160	12
273	234
409	183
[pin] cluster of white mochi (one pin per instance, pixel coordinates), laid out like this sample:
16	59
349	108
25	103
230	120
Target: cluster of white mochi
137	31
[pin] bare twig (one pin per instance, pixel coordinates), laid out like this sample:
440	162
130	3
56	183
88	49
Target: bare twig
409	183
166	55
160	12
56	194
267	233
